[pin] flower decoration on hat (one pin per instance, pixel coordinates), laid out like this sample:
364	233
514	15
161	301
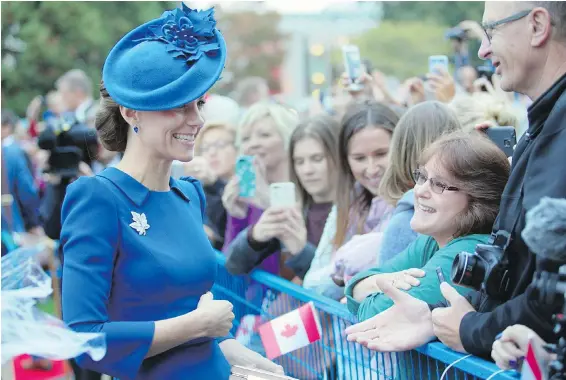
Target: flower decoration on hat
188	33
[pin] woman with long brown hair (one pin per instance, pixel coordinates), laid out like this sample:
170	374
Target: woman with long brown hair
363	148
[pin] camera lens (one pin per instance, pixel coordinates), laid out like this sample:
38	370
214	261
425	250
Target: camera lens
468	270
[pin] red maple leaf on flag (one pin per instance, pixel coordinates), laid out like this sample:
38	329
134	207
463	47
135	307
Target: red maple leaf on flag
289	331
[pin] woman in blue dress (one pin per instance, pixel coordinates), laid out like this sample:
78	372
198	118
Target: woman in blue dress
137	263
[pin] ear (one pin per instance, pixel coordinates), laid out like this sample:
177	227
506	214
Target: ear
540	24
130	115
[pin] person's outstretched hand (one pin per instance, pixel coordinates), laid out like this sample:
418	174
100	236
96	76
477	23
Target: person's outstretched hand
446	320
404	326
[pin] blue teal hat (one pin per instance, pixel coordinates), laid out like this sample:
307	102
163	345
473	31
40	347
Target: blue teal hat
167	62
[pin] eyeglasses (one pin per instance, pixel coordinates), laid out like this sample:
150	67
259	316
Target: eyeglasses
220	144
437	187
490	26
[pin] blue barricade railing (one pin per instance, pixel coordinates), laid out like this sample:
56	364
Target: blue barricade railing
333	357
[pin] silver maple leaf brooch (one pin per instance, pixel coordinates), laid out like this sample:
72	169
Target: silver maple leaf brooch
139	222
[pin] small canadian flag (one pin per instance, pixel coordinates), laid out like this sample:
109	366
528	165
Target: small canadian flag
533	366
291	331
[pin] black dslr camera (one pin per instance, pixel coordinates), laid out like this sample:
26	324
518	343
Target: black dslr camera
486	268
69	142
550	289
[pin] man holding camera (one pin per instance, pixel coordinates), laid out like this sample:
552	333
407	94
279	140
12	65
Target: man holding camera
71	142
526	42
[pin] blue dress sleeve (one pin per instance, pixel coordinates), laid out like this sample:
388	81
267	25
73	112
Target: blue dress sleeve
89	238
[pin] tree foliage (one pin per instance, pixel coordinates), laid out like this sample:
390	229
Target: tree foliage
60	36
255	46
401	48
410	32
440	12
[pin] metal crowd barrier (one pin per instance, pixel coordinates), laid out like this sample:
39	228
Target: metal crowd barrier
333	357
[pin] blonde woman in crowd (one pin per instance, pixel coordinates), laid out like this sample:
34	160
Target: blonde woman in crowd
264	133
313	162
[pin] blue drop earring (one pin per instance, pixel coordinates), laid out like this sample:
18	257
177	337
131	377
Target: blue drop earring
136	129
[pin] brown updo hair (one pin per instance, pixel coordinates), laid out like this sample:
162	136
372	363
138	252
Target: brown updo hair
110	124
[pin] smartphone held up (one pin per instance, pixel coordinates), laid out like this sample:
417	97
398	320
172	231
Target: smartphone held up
353	65
437	64
245	171
282	194
504	137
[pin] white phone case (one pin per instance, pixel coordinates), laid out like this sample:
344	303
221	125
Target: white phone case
282	194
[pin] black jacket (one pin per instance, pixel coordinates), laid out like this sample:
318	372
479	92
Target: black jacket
215	212
537	171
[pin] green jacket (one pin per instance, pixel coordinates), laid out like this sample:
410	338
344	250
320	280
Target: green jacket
425	254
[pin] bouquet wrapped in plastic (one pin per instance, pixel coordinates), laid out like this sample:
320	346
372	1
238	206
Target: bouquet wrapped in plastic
26	329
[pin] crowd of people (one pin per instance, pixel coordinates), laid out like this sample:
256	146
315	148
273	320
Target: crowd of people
391	185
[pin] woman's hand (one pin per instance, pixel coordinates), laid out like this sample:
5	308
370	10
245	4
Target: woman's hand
269	224
365	89
404	280
216	316
293	231
233	203
414	91
510	350
405	325
237	354
442	85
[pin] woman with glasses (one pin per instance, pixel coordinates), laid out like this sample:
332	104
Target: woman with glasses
214	165
458	187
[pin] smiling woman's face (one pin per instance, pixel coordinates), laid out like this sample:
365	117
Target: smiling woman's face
263	140
170	135
368	156
436	214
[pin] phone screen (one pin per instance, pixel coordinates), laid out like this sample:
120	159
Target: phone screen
435	62
352	62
